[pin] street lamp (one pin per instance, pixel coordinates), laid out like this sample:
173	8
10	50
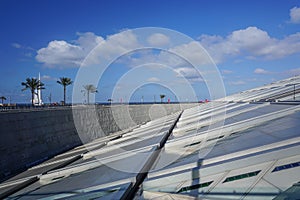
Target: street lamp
294	84
294	92
295	89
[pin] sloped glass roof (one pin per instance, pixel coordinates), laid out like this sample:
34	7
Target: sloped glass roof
227	148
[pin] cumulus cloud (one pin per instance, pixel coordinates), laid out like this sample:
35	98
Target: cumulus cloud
182	55
87	41
158	39
60	53
180	58
189	73
118	44
251	42
176	57
295	15
192	52
261	71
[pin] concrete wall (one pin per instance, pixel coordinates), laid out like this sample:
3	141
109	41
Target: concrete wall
29	137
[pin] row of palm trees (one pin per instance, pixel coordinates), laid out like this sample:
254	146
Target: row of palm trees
34	84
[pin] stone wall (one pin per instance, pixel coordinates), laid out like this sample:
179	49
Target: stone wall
32	136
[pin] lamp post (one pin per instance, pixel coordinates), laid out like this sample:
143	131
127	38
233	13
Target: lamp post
294	84
294	92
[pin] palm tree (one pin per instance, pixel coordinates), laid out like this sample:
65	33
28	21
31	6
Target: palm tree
2	99
90	89
64	81
162	96
32	84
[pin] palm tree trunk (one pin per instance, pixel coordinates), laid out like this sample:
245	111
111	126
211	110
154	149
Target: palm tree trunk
88	97
32	97
64	95
38	97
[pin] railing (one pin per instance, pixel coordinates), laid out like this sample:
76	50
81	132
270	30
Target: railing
26	107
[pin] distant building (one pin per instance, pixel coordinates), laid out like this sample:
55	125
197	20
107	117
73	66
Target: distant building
37	101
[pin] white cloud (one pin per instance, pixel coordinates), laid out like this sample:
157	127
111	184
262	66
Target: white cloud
16	45
285	73
192	52
251	42
153	79
65	54
295	15
189	73
158	39
261	71
47	78
61	54
20	46
186	71
113	46
87	41
178	56
120	42
146	56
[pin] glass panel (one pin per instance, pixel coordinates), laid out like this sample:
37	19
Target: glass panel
287	166
241	176
193	187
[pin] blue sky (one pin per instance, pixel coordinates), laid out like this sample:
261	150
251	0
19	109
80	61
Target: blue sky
251	42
